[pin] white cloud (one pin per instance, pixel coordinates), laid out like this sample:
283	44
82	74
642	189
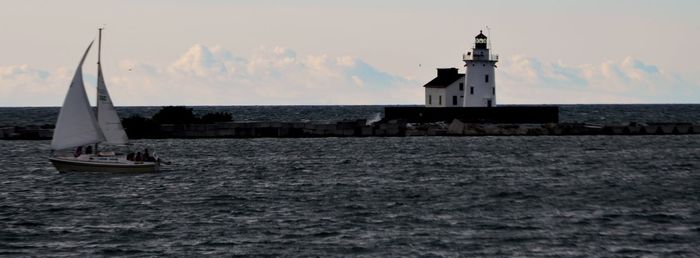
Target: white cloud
529	80
271	75
198	62
277	75
22	85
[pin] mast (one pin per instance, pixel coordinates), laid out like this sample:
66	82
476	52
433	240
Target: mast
99	71
108	118
99	46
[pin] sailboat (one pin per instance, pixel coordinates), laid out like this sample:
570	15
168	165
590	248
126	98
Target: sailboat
78	126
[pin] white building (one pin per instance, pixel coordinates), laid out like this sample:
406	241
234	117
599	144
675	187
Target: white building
481	75
446	90
476	89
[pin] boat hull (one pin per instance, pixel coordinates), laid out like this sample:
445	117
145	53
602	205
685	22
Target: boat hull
64	165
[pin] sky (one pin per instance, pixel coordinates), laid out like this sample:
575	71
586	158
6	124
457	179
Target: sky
311	52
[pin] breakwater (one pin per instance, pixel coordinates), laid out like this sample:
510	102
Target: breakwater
494	115
360	128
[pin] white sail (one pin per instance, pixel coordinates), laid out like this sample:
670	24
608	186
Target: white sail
106	114
76	124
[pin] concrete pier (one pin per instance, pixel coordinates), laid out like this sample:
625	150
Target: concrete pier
356	128
471	129
494	115
393	128
26	132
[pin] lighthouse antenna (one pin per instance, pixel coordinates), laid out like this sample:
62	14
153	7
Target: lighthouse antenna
488	31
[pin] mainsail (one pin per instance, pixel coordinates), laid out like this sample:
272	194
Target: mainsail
106	114
76	124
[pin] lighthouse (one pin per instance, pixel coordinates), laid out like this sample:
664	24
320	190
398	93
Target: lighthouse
470	97
480	88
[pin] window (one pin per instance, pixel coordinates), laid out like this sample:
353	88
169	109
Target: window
439	100
487	78
454	100
471	90
430	99
461	86
494	90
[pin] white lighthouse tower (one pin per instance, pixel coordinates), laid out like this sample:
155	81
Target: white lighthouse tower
480	88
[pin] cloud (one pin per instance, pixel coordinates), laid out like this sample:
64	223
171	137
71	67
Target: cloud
21	71
198	62
213	75
529	80
216	76
270	75
22	85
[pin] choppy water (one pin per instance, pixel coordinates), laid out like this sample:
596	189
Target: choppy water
568	113
459	196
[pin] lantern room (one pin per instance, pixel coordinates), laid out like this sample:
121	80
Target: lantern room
481	41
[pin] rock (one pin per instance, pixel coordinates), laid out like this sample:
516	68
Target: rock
632	129
695	129
456	128
416	132
367	131
615	129
7	132
380	132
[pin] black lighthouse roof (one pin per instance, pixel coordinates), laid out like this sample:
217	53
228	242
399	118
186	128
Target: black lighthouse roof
481	35
445	77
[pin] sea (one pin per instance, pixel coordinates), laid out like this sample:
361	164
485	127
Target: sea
531	196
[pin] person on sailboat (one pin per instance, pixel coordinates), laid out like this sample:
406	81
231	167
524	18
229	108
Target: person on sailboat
147	157
78	151
88	149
